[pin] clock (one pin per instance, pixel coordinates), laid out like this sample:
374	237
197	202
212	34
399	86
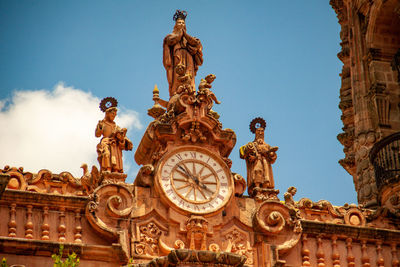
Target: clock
194	180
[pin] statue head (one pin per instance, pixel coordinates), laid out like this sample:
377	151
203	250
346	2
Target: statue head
179	18
259	133
179	25
292	190
111	113
257	126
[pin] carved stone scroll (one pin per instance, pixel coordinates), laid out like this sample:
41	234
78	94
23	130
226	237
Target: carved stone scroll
109	204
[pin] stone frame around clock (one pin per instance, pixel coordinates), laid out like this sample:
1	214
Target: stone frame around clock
168	202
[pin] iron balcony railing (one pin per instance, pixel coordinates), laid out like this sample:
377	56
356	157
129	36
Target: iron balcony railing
385	157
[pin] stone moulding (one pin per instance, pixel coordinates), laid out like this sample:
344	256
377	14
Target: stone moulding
42	199
47	248
356	232
184	257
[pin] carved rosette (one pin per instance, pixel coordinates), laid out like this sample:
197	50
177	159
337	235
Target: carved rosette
108	209
277	225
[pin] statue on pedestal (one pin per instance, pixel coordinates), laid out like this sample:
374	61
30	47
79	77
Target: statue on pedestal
259	157
181	52
113	139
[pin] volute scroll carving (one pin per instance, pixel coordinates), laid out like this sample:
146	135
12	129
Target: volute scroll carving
278	226
108	208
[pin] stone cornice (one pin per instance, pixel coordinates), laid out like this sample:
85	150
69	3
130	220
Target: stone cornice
39	199
356	232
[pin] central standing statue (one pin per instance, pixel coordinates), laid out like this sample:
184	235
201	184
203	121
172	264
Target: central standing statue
181	49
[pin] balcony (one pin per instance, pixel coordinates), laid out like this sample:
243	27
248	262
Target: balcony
385	157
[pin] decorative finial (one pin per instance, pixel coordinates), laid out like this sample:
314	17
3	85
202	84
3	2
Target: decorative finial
108	102
156	111
180	14
257	123
155	91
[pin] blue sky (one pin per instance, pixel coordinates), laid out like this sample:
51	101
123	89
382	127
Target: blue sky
272	59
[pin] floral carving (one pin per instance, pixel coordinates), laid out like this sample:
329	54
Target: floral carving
239	244
148	240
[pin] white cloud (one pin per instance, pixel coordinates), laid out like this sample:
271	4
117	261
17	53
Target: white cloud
53	130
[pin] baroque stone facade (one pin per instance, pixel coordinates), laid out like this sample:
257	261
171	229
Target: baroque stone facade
370	90
186	207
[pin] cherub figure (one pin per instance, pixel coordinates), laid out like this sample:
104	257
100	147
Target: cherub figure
113	139
205	86
289	201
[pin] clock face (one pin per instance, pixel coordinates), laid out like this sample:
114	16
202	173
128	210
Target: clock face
194	181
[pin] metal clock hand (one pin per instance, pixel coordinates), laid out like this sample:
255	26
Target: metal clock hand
206	188
188	174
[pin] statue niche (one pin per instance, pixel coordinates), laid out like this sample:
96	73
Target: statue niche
181	52
113	140
259	157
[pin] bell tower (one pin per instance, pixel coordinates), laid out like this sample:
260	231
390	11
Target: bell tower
370	89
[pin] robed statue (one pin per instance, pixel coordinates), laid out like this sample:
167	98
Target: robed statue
113	140
259	157
179	48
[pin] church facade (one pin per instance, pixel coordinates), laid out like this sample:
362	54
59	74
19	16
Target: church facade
187	208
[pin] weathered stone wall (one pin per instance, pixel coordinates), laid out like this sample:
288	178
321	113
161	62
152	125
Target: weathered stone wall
370	90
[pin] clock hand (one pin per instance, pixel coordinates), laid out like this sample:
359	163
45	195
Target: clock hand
188	174
206	188
182	169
